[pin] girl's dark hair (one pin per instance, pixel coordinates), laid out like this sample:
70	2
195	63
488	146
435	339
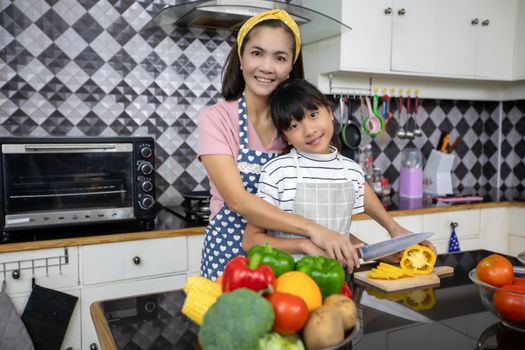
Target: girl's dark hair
232	80
291	99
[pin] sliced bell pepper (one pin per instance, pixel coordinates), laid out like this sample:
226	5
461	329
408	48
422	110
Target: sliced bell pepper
346	291
278	260
420	299
326	272
418	259
243	273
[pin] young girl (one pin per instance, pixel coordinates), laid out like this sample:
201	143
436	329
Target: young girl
237	136
313	180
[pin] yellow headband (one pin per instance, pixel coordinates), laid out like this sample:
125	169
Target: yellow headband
281	15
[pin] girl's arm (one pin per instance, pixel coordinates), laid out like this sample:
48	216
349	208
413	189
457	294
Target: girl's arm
254	235
376	211
223	171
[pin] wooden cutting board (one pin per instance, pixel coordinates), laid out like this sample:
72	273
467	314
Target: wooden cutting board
405	283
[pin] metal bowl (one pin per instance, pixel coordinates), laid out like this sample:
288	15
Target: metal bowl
486	292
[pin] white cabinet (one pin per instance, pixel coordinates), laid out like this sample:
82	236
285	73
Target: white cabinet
467	230
516	237
113	262
473	39
494	229
370	231
195	244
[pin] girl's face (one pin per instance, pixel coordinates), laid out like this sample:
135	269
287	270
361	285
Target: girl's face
313	134
267	59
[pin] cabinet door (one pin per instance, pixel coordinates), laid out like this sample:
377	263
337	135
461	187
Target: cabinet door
195	244
516	238
61	271
457	37
370	231
415	26
467	231
367	46
72	336
135	259
495	45
89	295
494	229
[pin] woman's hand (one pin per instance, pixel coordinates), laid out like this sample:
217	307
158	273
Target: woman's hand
397	231
337	246
309	248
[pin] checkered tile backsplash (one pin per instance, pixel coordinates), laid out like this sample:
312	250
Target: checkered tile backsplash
83	68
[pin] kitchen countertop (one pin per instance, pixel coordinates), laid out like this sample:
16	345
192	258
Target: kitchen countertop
457	320
168	224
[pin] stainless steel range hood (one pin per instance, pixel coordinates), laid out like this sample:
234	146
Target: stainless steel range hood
231	14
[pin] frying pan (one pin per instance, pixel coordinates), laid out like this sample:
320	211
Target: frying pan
350	132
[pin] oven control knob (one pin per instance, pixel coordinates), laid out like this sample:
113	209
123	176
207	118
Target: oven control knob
147	202
146	168
147	186
146	152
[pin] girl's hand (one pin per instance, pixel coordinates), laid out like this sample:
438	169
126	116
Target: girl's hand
396	257
309	248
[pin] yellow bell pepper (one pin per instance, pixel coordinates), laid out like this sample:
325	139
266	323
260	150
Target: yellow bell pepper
418	260
420	299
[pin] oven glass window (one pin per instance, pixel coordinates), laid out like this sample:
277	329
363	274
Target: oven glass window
67	181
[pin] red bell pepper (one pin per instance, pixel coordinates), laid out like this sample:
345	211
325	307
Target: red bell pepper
243	273
346	291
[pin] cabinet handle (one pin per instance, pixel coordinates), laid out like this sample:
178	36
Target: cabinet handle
485	22
474	22
16	274
401	12
70	348
388	10
136	260
93	346
454	224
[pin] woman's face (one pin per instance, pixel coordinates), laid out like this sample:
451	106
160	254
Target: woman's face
313	133
267	59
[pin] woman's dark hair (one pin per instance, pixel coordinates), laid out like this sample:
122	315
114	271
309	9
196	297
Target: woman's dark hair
232	80
291	99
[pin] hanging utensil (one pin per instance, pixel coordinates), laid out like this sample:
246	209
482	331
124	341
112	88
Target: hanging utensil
401	132
417	130
409	134
350	133
373	124
386	115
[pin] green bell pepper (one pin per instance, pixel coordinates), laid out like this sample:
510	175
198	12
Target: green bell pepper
326	272
278	260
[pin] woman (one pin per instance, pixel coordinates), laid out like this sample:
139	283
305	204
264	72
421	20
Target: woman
237	136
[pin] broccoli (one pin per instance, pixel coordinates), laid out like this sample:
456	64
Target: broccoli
237	320
276	341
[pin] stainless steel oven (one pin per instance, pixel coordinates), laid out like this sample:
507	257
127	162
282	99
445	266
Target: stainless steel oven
57	182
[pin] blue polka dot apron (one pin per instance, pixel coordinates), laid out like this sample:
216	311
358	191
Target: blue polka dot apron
223	237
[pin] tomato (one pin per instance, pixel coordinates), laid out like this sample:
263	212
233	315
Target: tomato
495	270
345	290
511	306
518	281
291	312
300	284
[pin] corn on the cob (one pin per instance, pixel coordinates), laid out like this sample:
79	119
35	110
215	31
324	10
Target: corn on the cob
201	294
203	284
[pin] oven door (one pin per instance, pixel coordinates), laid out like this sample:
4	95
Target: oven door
55	184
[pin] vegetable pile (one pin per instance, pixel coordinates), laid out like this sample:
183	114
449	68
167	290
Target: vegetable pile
509	298
268	301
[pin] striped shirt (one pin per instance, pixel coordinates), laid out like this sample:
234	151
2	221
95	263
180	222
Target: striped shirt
278	181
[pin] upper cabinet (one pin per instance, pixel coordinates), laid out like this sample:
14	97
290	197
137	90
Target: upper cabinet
468	39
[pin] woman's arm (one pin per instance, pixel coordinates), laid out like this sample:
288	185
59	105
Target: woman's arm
254	235
223	171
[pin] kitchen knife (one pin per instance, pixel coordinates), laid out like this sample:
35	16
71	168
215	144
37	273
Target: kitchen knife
391	246
392	308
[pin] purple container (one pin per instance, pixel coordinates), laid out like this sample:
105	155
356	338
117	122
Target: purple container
411	182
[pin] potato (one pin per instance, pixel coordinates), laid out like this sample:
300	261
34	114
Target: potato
324	328
346	307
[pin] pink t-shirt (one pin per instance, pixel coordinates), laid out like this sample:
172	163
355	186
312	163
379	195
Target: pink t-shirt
218	127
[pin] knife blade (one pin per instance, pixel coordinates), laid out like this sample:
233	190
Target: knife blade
391	246
392	308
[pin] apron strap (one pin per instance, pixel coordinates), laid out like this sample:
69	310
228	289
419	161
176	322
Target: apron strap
298	170
243	123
